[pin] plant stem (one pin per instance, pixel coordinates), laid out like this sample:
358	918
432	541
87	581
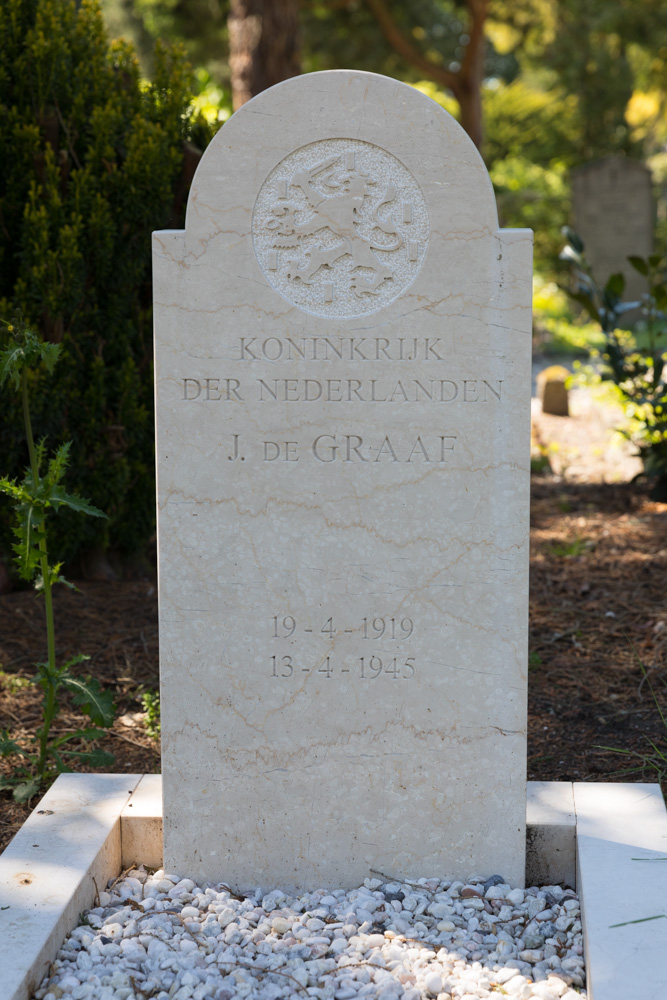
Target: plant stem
50	706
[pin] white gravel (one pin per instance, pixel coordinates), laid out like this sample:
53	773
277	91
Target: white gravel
162	937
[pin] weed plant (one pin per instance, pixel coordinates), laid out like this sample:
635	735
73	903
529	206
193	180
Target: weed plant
33	499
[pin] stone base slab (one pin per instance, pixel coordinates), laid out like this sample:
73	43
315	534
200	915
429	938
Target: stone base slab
609	841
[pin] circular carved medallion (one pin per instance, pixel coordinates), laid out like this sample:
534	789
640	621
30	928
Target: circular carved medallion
340	228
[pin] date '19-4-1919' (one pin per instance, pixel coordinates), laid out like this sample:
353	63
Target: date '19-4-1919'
285	626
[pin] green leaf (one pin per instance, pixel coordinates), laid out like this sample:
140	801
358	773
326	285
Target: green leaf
9	746
50	354
80	734
57	464
615	285
10	366
59	497
587	302
573	239
26	790
54	577
79	658
15	490
639	264
568	253
91	699
26	351
96	758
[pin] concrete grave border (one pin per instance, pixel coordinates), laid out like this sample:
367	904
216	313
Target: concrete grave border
593	837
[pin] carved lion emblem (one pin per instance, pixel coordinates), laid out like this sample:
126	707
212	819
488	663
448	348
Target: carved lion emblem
340	228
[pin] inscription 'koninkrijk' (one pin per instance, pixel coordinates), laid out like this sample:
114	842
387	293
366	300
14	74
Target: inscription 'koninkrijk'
340	228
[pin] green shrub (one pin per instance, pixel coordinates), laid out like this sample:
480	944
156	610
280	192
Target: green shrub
634	354
535	197
537	126
93	160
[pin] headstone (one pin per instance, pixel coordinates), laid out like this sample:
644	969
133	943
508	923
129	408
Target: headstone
343	342
552	390
615	216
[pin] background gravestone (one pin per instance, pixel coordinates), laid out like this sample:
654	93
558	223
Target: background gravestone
343	386
615	216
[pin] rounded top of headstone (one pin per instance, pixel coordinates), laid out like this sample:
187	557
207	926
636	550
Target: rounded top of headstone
337	187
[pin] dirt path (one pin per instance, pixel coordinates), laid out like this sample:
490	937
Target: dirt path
587	446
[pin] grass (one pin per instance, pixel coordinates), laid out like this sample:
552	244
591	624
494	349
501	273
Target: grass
579	546
654	762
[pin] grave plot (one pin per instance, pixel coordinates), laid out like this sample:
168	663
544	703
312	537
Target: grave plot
343	432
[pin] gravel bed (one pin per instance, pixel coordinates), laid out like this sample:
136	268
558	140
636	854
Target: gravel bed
163	937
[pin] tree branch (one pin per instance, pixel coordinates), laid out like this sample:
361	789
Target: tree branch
407	50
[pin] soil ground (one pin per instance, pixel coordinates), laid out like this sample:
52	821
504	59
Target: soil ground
598	624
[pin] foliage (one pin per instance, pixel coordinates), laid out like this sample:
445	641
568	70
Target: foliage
633	359
441	97
557	327
523	122
535	197
342	33
596	50
150	701
33	499
199	25
442	40
96	161
212	102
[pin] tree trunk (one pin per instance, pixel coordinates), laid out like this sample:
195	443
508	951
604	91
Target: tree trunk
263	45
470	101
469	79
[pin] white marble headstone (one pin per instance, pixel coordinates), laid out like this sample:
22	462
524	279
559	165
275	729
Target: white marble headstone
343	378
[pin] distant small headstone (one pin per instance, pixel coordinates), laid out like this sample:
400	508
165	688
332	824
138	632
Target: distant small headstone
343	341
614	213
552	390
